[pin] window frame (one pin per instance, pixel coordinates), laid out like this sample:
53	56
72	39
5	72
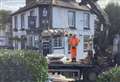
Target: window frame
16	46
59	43
86	23
16	21
32	12
73	21
23	20
87	43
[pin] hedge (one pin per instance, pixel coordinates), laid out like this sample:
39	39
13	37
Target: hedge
34	62
113	75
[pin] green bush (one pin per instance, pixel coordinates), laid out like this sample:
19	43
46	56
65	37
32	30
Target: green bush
112	75
32	61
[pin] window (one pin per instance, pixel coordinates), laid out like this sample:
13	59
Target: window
32	13
58	42
16	21
32	19
33	41
16	45
30	41
22	20
71	19
36	41
88	42
23	42
86	21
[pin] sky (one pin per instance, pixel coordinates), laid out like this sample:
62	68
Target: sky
13	5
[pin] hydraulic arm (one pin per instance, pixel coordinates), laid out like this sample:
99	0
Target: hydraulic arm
103	20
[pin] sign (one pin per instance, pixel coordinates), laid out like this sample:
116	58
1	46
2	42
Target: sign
45	12
44	16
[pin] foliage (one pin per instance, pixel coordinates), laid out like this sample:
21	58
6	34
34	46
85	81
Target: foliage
33	61
4	18
112	75
113	11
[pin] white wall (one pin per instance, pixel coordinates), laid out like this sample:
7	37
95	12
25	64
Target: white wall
26	13
60	20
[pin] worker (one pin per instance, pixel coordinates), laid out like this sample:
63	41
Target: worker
73	42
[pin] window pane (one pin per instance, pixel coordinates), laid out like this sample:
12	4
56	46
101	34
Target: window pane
58	42
71	19
86	20
87	42
16	45
36	41
22	20
16	21
32	13
30	41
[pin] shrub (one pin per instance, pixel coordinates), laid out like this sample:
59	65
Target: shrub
32	61
112	75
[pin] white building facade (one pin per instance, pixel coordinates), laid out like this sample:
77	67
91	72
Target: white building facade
30	21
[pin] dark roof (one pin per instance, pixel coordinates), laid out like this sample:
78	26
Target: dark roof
70	4
61	3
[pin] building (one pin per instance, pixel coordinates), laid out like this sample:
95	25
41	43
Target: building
39	15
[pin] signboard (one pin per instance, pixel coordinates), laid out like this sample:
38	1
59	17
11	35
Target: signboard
44	12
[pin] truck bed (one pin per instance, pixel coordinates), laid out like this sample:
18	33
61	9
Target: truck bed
69	66
79	69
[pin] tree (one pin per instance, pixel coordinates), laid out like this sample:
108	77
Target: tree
113	11
4	18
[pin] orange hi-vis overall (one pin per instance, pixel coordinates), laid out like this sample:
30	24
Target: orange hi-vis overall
73	42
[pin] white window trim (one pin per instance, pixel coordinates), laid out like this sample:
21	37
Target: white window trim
62	46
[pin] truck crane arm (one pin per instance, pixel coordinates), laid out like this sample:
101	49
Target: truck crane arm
103	20
96	9
101	39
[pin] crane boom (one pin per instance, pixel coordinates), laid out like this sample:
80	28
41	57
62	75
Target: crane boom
103	20
101	39
96	9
